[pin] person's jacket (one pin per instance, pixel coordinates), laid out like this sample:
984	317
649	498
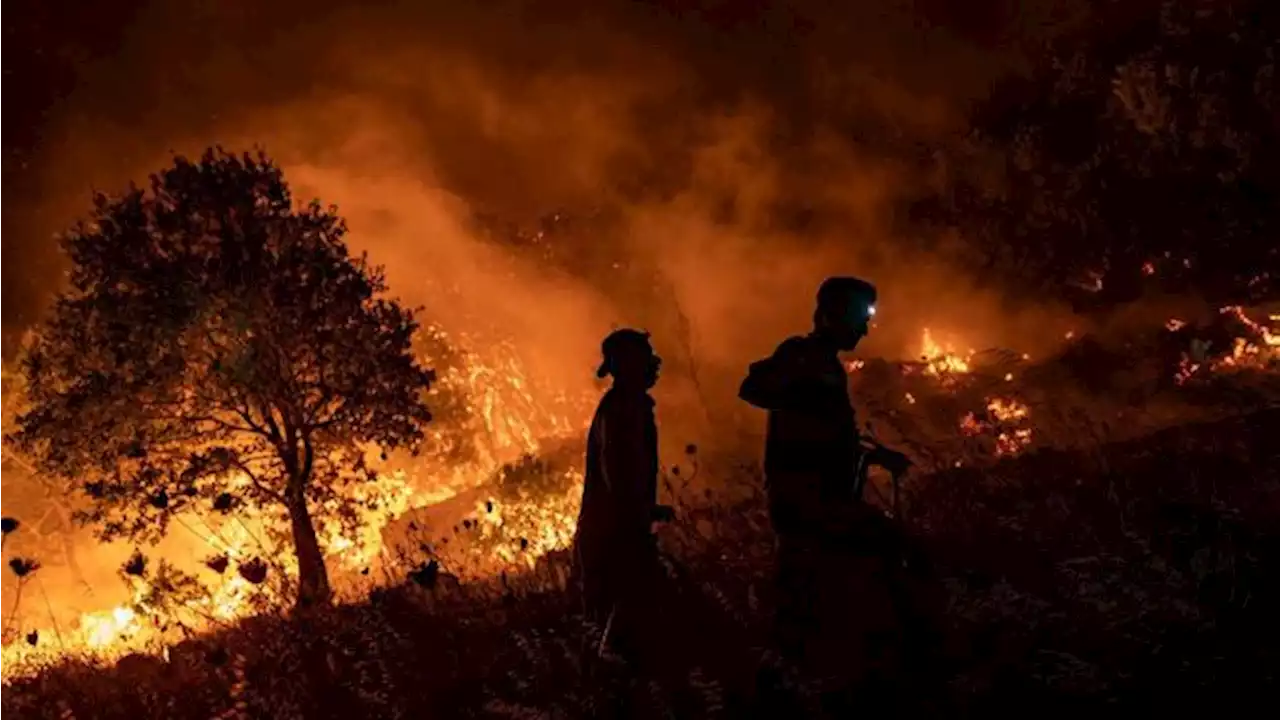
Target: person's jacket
812	447
620	487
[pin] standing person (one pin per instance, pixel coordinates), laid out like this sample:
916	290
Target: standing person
812	454
615	554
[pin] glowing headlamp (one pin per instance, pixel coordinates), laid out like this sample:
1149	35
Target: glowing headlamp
871	311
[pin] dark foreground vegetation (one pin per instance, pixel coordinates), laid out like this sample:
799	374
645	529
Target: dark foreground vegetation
1136	576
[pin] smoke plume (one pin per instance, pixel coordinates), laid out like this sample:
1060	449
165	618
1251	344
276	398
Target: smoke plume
740	151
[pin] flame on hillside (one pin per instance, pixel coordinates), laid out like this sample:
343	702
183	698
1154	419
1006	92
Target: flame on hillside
528	528
502	417
1256	347
943	360
1259	348
504	414
1006	420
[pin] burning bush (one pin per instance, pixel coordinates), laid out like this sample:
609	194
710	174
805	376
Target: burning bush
528	508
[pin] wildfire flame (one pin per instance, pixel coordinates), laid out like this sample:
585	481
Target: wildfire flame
1007	410
525	531
943	360
1260	348
1257	348
503	418
506	415
1005	420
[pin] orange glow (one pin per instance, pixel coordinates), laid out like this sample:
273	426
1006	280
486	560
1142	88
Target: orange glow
1260	348
507	414
1005	422
942	360
432	140
1257	348
1007	410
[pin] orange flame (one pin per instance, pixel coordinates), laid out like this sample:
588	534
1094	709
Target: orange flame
1007	422
507	415
943	360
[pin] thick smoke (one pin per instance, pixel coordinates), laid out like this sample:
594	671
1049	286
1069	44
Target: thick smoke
743	151
412	118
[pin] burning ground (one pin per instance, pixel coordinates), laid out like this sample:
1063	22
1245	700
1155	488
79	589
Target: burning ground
496	493
491	501
490	412
1090	567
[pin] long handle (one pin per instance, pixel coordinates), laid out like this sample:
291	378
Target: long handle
608	627
860	477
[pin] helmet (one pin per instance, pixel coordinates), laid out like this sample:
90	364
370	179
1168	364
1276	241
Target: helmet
847	299
621	343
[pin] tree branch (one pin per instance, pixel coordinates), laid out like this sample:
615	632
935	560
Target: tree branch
257	482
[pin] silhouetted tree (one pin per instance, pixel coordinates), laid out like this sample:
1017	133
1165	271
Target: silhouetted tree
218	347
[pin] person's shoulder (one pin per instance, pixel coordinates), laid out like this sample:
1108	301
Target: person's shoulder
794	344
796	347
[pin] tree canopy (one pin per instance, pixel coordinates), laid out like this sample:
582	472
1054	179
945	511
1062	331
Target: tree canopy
218	348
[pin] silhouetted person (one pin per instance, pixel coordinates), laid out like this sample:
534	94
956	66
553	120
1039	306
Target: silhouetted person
615	556
812	456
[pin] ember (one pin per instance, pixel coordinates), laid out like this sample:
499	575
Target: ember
1004	421
1254	347
1259	347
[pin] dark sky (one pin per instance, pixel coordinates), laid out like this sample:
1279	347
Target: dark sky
91	89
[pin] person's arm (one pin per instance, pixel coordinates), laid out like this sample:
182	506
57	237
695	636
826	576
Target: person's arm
763	387
893	462
784	381
769	382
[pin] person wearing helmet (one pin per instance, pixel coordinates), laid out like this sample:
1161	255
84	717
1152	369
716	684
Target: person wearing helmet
614	549
812	451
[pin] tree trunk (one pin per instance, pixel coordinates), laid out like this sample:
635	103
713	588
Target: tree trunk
313	578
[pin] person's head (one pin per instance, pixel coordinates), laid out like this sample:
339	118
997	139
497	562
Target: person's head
630	359
845	308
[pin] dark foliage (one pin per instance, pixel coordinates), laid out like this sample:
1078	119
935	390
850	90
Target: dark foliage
1139	156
